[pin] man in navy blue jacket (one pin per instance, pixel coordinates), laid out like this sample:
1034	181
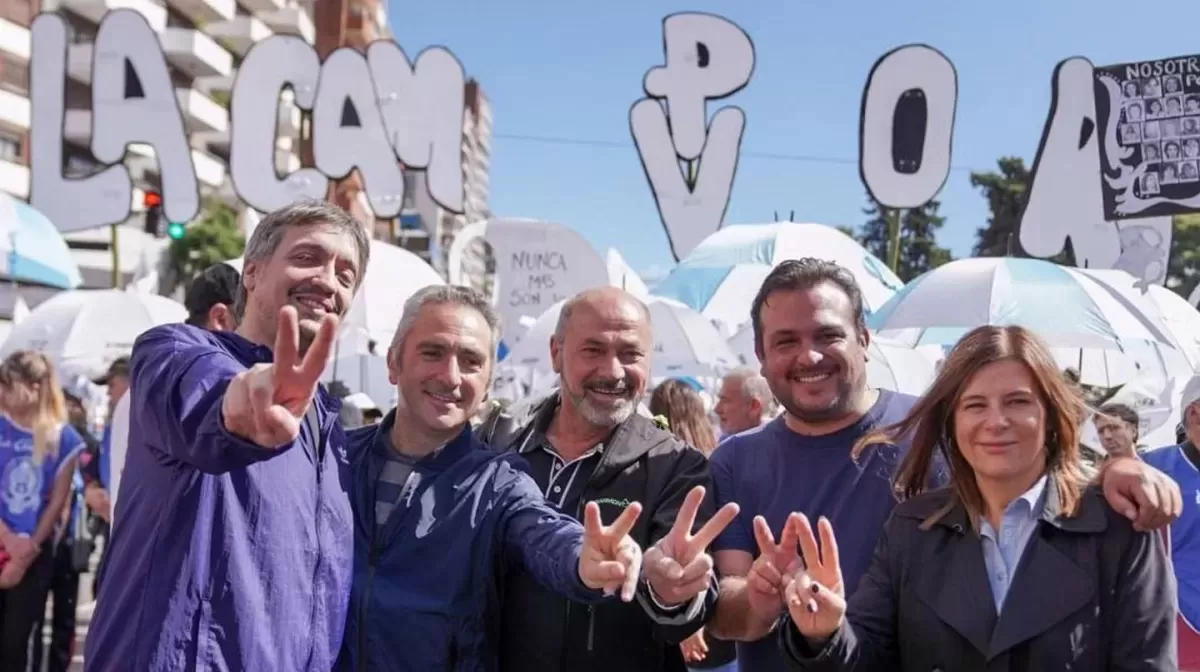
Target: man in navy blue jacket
438	515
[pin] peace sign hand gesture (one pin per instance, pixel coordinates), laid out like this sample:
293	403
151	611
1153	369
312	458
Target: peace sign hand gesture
775	562
610	559
816	598
265	404
678	567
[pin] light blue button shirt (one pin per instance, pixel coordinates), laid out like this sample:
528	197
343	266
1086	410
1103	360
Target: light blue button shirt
1002	552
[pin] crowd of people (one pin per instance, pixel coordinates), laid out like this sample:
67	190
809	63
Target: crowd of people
814	524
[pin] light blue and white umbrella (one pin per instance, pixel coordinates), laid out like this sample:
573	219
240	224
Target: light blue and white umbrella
722	275
1067	308
32	249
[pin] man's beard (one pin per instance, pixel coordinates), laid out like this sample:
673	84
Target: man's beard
839	407
597	415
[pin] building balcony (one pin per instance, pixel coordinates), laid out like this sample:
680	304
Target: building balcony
94	10
262	6
291	21
213	84
201	113
239	33
206	11
286	161
14	179
195	53
15	42
79	63
14	110
77	127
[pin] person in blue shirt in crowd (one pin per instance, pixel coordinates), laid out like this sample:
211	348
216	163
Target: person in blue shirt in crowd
234	548
73	546
1182	463
38	451
438	515
811	340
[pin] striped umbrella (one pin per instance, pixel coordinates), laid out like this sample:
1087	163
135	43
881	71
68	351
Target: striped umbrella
722	275
1067	308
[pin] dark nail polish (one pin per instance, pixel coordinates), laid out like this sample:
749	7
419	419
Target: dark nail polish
816	589
811	608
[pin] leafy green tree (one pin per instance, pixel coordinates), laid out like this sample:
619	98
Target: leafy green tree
215	237
1007	191
919	251
1183	267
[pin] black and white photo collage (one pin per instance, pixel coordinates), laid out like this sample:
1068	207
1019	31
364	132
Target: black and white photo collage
1162	120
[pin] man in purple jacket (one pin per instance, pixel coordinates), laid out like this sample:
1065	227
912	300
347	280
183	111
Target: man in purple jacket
235	546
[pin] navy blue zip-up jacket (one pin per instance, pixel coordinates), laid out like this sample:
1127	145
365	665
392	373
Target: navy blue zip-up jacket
425	592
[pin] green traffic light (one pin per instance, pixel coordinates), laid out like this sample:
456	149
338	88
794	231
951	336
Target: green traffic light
175	230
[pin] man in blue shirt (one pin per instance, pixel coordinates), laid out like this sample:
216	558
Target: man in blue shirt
811	340
234	548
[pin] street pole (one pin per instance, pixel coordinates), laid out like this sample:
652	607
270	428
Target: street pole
893	220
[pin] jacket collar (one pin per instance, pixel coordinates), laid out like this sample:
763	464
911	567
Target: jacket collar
1052	584
628	442
440	460
1090	518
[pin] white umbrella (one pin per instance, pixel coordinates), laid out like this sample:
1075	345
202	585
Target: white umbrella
722	275
685	344
1066	308
84	330
393	275
890	366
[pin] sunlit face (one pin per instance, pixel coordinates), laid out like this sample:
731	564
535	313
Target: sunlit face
1000	424
1116	435
1191	422
737	410
603	359
813	356
441	369
314	269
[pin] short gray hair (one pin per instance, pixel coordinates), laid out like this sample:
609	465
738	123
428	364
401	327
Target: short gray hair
270	231
569	306
755	386
445	295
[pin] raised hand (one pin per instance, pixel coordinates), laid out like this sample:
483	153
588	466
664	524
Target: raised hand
678	567
265	404
775	563
816	598
610	560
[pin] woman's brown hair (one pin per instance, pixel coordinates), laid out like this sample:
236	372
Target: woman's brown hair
683	408
930	423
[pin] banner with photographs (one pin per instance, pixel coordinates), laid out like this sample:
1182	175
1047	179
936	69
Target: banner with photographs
1149	124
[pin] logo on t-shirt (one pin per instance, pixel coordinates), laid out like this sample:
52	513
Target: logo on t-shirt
22	482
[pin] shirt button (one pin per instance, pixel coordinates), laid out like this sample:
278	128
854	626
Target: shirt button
557	489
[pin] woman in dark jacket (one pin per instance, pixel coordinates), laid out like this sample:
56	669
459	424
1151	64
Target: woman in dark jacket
1017	565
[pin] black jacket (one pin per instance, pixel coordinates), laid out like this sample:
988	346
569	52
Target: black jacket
1090	594
641	463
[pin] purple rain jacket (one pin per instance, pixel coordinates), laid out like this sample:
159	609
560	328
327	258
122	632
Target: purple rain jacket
226	555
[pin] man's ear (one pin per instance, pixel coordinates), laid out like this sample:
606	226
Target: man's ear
556	355
221	315
249	275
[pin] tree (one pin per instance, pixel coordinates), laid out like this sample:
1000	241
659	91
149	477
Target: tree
1007	191
919	251
1183	266
214	238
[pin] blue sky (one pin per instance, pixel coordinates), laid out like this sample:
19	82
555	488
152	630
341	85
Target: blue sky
561	72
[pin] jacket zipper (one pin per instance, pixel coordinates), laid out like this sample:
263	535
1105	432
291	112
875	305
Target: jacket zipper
317	524
591	610
372	559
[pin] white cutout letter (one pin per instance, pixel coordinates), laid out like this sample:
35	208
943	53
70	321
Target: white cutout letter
907	126
133	102
108	192
270	66
348	132
423	108
708	58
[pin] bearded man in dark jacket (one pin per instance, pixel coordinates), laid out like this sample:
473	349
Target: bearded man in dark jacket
588	443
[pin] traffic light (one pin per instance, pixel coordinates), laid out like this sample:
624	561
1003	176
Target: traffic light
154	223
175	230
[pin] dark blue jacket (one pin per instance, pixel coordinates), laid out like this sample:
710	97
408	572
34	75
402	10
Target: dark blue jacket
229	556
425	590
